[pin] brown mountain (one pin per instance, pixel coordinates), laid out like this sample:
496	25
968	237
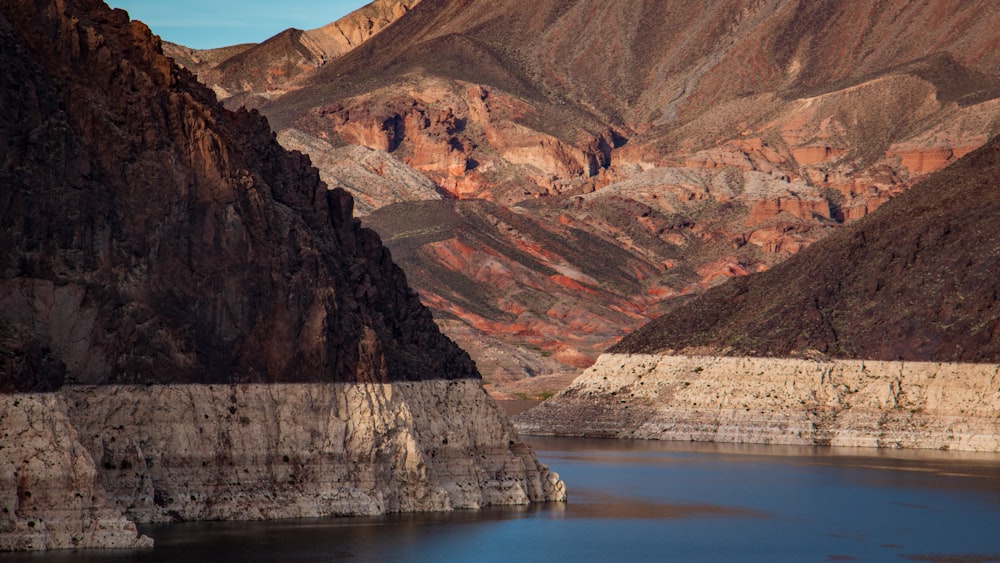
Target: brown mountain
917	280
249	74
702	142
150	236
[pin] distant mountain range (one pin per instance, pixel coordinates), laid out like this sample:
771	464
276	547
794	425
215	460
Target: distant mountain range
585	164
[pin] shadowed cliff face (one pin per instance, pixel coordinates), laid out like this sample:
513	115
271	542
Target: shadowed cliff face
150	236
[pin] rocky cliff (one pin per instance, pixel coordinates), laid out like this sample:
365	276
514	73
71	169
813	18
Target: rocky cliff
81	460
151	237
50	493
904	301
779	401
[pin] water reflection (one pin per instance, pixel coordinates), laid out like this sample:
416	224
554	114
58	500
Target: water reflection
888	468
656	501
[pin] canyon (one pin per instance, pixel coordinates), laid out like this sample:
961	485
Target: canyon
576	174
193	326
782	227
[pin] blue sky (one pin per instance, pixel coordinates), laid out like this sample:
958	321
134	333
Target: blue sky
204	24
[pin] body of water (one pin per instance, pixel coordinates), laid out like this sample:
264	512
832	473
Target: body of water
657	501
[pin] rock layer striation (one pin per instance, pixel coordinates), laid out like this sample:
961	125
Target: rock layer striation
685	143
84	463
778	401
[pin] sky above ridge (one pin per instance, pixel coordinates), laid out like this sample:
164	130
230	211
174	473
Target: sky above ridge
206	24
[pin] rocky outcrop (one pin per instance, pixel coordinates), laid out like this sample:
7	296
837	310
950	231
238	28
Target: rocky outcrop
373	177
694	173
50	494
917	280
77	463
469	139
778	401
79	467
149	237
250	452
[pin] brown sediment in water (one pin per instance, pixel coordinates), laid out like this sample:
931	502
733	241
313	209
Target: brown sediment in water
592	504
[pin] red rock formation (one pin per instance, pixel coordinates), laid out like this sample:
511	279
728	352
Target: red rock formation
764	210
464	138
745	129
919	279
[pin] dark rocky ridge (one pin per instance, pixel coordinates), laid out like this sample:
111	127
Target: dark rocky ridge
150	236
919	279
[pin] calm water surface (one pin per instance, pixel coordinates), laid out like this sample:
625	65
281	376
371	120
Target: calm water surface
658	501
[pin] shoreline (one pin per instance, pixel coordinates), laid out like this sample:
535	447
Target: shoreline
922	405
88	462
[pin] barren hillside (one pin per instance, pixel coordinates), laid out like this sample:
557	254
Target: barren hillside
682	144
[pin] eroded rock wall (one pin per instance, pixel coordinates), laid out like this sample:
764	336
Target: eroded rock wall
79	461
50	494
779	401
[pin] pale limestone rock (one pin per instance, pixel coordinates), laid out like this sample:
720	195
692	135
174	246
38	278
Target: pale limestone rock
245	452
779	401
50	497
250	452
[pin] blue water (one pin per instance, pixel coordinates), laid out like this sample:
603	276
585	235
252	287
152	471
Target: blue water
658	501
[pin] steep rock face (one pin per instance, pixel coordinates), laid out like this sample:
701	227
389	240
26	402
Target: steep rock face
50	493
779	401
151	237
250	452
81	460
